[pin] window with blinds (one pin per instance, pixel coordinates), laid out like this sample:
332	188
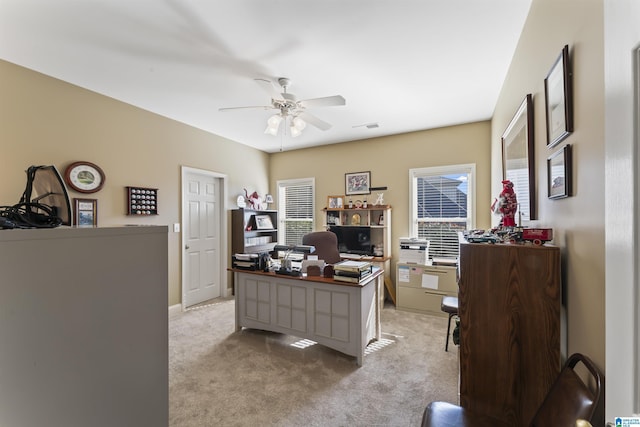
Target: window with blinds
295	210
441	206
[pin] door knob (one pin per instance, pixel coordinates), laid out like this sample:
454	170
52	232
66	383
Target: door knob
186	246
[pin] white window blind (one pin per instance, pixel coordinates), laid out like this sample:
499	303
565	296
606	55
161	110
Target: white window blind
441	206
295	210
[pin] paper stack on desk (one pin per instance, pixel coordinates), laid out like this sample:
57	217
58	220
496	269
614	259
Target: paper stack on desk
351	271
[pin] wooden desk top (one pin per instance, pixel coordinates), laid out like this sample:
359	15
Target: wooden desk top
376	271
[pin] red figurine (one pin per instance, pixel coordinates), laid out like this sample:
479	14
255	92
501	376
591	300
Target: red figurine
506	204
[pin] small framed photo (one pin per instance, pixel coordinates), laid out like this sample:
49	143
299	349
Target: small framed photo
335	202
85	212
263	222
357	183
559	99
559	173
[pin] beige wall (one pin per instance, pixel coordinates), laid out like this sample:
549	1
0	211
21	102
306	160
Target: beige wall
389	160
44	121
578	221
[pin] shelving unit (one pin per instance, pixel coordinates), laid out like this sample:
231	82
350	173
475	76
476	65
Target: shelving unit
248	234
377	218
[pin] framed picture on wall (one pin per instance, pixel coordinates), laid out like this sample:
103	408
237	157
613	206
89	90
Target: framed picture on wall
559	99
559	173
85	212
357	183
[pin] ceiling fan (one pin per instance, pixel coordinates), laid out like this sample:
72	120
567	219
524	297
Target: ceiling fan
290	108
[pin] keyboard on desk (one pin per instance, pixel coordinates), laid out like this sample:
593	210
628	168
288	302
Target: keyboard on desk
354	256
350	256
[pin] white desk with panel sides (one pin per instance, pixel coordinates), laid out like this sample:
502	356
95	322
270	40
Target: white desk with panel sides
341	315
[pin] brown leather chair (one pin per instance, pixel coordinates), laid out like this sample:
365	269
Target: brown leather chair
569	399
326	244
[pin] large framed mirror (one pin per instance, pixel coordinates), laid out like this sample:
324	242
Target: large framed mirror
518	160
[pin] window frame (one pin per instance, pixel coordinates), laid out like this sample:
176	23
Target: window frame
467	168
281	208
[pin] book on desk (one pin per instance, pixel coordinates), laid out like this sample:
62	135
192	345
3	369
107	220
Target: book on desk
352	271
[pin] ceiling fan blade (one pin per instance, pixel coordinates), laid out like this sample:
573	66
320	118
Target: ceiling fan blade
313	120
254	107
268	87
327	101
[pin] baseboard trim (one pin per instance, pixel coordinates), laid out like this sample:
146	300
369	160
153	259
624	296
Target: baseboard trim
175	310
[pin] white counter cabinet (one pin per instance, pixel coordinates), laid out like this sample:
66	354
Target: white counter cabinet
84	327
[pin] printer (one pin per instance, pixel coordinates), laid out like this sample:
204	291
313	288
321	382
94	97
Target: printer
414	250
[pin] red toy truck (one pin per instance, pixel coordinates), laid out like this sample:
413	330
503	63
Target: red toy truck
537	236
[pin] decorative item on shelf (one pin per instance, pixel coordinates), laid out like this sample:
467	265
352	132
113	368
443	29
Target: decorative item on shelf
268	198
335	202
379	200
358	204
506	205
357	183
254	200
241	202
142	201
350	203
333	218
364	203
263	222
84	177
355	219
381	219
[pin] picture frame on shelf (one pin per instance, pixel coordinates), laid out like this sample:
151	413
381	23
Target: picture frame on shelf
335	202
263	222
559	99
357	183
559	172
333	218
85	212
518	161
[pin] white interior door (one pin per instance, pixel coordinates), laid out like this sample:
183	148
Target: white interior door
201	237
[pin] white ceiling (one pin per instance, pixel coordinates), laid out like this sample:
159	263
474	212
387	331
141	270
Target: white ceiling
406	65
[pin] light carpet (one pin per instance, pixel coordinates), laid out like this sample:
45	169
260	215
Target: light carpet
219	377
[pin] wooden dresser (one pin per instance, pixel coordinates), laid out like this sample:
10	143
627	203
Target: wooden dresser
509	304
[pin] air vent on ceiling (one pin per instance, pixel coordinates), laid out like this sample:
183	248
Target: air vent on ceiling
368	126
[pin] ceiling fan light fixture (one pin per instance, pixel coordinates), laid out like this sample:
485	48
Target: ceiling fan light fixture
294	132
273	124
298	123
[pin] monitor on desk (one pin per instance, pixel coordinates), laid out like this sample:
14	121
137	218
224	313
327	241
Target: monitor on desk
353	240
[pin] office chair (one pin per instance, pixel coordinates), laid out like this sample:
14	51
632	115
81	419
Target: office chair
326	244
450	306
569	400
